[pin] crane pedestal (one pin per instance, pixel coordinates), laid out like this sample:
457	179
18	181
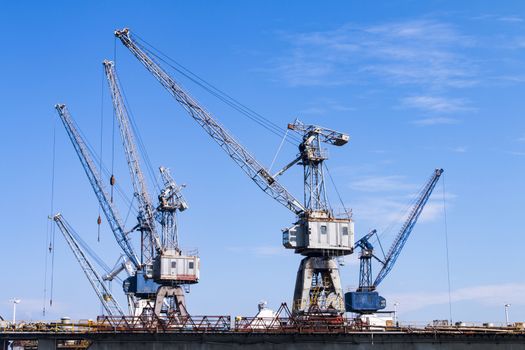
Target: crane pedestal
318	287
175	297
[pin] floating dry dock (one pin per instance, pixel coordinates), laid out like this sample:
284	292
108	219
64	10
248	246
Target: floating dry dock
221	332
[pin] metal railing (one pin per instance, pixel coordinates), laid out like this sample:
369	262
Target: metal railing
283	321
153	324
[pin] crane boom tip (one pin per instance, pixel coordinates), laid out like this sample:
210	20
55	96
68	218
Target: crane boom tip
121	32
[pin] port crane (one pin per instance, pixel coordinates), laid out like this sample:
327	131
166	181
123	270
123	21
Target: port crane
150	241
97	282
147	290
366	299
317	233
108	207
162	257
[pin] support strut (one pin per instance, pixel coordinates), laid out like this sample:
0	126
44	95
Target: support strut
318	287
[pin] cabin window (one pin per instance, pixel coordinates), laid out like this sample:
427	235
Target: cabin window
323	229
190	265
345	231
173	264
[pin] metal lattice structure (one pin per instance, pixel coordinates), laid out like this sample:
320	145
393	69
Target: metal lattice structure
365	266
258	173
366	299
317	232
106	298
110	211
170	200
406	229
312	156
146	220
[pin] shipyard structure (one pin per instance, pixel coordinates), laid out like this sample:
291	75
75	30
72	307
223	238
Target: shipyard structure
220	332
159	273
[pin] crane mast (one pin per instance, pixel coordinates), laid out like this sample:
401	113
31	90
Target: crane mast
163	258
97	184
312	156
365	299
146	220
170	200
317	234
106	298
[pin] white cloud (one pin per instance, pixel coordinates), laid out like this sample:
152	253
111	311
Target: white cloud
423	52
31	309
501	18
513	18
436	104
261	251
517	153
381	184
489	295
387	214
325	106
380	211
435	121
459	149
432	211
386	201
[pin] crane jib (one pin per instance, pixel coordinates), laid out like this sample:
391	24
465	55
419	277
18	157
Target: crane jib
104	294
151	241
96	182
407	227
218	133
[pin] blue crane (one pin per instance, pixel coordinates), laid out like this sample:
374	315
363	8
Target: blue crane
366	299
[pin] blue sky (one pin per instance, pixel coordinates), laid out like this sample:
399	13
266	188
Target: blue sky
417	85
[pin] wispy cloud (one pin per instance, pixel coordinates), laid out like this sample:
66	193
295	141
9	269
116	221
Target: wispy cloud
459	149
31	308
435	121
381	184
424	52
262	251
515	19
517	153
500	18
387	213
325	106
385	201
379	211
436	104
489	295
